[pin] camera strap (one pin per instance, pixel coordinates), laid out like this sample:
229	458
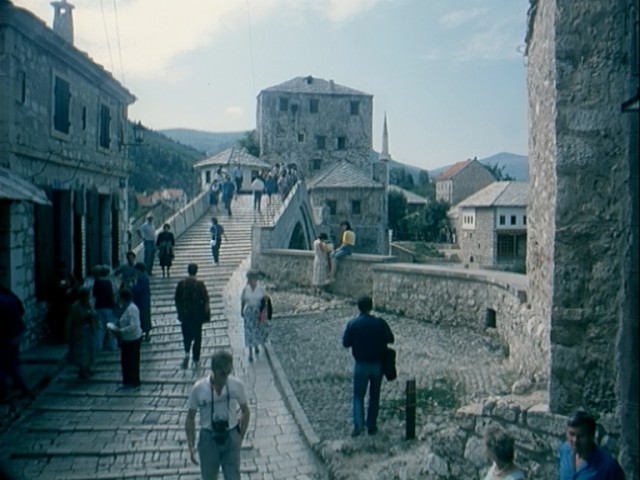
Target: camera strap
213	400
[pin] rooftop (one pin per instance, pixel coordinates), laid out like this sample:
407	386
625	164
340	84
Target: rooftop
311	84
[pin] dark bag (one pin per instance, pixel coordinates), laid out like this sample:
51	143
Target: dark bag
389	364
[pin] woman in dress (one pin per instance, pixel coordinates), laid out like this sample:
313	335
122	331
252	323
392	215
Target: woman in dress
321	264
165	243
256	328
82	333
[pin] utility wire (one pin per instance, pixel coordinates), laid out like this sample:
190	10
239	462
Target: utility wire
106	33
115	9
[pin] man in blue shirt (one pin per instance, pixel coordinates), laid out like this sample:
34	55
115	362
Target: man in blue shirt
581	458
367	336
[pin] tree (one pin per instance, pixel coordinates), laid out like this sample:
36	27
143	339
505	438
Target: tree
397	211
249	142
498	172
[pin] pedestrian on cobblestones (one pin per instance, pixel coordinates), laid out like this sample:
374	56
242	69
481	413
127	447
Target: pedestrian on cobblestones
217	398
12	328
127	272
367	336
256	326
228	189
129	332
104	295
165	245
142	298
83	325
192	303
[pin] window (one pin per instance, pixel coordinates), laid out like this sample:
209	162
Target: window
22	87
301	137
294	108
316	164
524	219
313	105
332	206
321	142
503	220
284	104
355	108
513	220
355	207
207	176
105	126
342	143
506	246
61	100
83	119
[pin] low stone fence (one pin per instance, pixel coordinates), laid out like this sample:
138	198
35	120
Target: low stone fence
474	299
182	220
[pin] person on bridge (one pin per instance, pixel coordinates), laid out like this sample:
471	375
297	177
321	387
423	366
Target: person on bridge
147	231
256	326
217	234
258	189
321	262
218	398
192	303
580	457
165	243
142	298
367	336
228	189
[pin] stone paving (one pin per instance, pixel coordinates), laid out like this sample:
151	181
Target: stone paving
78	430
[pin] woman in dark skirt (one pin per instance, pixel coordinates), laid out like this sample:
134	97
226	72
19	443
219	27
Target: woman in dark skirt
82	333
165	243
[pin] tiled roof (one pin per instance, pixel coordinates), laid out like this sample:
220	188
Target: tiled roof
233	155
343	175
453	170
412	198
14	187
499	194
311	84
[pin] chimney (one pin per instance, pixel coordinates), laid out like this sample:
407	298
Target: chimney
63	20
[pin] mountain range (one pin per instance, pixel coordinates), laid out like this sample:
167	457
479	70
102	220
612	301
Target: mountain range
210	143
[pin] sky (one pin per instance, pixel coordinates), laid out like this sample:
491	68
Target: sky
450	75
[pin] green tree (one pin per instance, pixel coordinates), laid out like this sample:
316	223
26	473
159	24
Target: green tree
249	141
397	211
498	172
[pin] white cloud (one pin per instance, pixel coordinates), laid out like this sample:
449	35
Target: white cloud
341	10
234	111
457	18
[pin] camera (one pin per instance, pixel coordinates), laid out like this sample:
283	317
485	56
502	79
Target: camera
220	431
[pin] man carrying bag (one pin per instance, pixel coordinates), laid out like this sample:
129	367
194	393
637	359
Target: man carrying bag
192	303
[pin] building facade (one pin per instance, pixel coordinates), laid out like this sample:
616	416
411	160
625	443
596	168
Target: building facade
492	225
314	123
63	127
461	180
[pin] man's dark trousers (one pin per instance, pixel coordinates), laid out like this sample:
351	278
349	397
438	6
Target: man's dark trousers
192	335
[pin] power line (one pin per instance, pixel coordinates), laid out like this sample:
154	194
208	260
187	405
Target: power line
106	33
115	10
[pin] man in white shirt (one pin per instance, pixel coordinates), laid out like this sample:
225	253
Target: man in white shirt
218	398
258	187
147	232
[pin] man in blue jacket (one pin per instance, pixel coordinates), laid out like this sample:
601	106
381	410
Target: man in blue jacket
367	336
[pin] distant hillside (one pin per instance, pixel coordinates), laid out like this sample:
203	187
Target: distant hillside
516	166
208	142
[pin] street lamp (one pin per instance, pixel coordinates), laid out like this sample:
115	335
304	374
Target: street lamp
138	135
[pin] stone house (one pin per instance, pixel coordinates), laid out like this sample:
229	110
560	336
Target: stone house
314	123
346	192
414	201
492	225
227	160
461	180
63	120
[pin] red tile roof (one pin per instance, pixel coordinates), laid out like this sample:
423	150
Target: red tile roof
453	169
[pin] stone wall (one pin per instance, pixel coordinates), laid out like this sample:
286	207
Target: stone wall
452	296
469	180
477	246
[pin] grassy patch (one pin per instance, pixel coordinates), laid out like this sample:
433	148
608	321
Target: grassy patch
441	396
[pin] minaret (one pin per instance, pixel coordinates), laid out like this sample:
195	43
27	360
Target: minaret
63	19
384	156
